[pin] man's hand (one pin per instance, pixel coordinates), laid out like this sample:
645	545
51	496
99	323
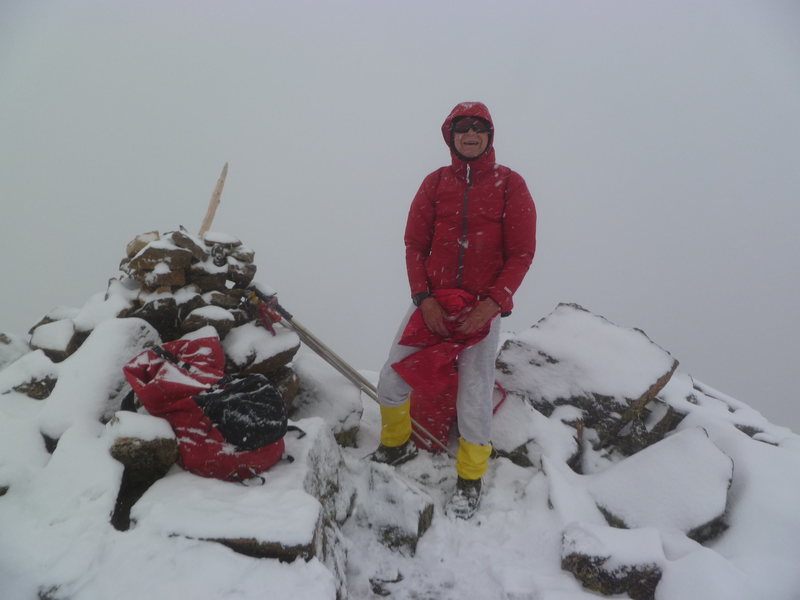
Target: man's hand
478	316
434	316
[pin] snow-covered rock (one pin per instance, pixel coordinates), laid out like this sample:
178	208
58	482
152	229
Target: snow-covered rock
11	348
251	348
57	339
523	434
573	357
90	382
290	513
327	394
32	374
680	483
147	448
614	561
399	511
216	316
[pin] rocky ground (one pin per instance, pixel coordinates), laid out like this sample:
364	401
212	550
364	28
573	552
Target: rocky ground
615	473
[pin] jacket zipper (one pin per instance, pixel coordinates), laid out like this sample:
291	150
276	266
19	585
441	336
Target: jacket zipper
462	241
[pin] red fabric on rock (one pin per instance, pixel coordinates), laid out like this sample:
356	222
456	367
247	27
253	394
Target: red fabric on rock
167	389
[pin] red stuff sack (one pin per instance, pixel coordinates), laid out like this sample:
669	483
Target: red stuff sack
219	434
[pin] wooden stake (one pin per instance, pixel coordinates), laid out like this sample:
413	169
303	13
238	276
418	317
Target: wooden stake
214	202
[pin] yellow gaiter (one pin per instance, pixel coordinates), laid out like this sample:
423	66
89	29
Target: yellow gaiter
472	459
396	424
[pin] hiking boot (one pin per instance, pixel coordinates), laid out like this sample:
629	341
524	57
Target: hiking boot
395	455
466	498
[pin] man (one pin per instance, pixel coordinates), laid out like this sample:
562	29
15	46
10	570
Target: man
470	234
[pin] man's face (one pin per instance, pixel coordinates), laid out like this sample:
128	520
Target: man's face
470	137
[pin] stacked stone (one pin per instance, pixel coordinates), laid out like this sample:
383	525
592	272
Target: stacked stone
179	284
185	283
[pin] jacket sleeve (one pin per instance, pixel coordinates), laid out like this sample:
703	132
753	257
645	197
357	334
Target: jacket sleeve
519	242
419	234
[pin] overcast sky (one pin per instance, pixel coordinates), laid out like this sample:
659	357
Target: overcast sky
661	141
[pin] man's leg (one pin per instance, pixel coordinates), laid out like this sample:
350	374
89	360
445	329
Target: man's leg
395	446
393	389
476	371
476	366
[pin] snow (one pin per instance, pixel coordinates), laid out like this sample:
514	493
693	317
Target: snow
164	510
336	399
250	343
21	446
678	483
219	237
33	365
212	313
597	355
183	295
141	426
99	308
623	546
54	336
57	541
11	348
727	581
89	378
515	426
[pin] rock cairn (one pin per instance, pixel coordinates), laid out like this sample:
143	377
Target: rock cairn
179	284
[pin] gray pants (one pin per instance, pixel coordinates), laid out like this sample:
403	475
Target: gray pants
475	382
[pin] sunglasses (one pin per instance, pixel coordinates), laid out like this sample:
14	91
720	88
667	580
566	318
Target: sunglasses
464	124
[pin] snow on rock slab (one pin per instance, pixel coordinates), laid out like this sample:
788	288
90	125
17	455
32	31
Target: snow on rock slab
147	447
702	405
92	377
102	307
521	433
614	561
253	349
292	515
575	357
216	316
32	374
680	483
568	496
22	449
325	393
11	348
707	575
222	238
57	339
398	510
57	516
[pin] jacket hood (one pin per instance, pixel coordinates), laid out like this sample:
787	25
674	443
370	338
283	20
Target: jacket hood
469	109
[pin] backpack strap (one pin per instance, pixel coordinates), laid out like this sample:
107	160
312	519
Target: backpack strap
170	357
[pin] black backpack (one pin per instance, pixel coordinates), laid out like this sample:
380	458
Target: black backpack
248	411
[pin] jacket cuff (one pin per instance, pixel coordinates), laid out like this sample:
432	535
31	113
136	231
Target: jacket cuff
502	298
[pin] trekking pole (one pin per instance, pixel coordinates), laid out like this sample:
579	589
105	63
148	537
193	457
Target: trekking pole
336	361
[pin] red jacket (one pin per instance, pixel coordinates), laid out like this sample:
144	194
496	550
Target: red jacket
471	226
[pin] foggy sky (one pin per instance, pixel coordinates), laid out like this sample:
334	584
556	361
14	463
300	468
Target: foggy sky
660	140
